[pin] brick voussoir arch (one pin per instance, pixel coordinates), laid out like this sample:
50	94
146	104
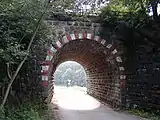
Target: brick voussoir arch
47	78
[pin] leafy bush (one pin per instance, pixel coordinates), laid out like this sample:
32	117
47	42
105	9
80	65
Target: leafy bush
18	20
31	111
133	13
146	113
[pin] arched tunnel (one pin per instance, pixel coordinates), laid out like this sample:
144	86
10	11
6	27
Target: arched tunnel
101	60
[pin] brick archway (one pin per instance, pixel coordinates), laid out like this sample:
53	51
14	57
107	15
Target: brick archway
95	66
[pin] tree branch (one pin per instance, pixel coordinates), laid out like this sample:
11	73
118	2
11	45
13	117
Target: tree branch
24	59
8	71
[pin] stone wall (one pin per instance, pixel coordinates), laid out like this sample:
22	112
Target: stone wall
106	78
62	27
103	83
143	84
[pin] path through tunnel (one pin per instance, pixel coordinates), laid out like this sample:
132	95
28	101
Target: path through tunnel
101	60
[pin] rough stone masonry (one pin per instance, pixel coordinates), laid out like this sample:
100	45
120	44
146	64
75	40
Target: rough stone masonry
109	78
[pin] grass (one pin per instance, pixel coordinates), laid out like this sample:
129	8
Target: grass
27	111
146	113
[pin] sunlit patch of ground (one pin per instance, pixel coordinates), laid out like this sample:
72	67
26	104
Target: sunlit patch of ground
65	97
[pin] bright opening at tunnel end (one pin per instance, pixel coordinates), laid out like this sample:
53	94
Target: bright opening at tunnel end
70	88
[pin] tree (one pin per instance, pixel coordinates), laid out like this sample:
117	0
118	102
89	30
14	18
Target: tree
70	71
63	6
154	6
23	46
144	5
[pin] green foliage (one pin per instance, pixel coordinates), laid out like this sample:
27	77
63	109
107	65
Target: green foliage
28	111
18	20
150	114
17	23
70	71
63	6
132	12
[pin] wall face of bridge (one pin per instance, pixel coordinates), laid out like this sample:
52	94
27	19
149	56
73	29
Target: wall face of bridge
103	61
100	58
143	85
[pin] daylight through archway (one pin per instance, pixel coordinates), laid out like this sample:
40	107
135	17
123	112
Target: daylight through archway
70	88
69	74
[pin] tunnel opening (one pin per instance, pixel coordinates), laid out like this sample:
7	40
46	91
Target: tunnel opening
101	60
70	73
70	88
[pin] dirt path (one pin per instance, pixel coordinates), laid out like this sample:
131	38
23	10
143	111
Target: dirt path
73	104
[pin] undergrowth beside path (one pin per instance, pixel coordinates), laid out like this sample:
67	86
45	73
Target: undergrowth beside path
27	111
146	113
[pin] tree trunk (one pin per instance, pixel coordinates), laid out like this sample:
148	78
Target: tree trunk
154	5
